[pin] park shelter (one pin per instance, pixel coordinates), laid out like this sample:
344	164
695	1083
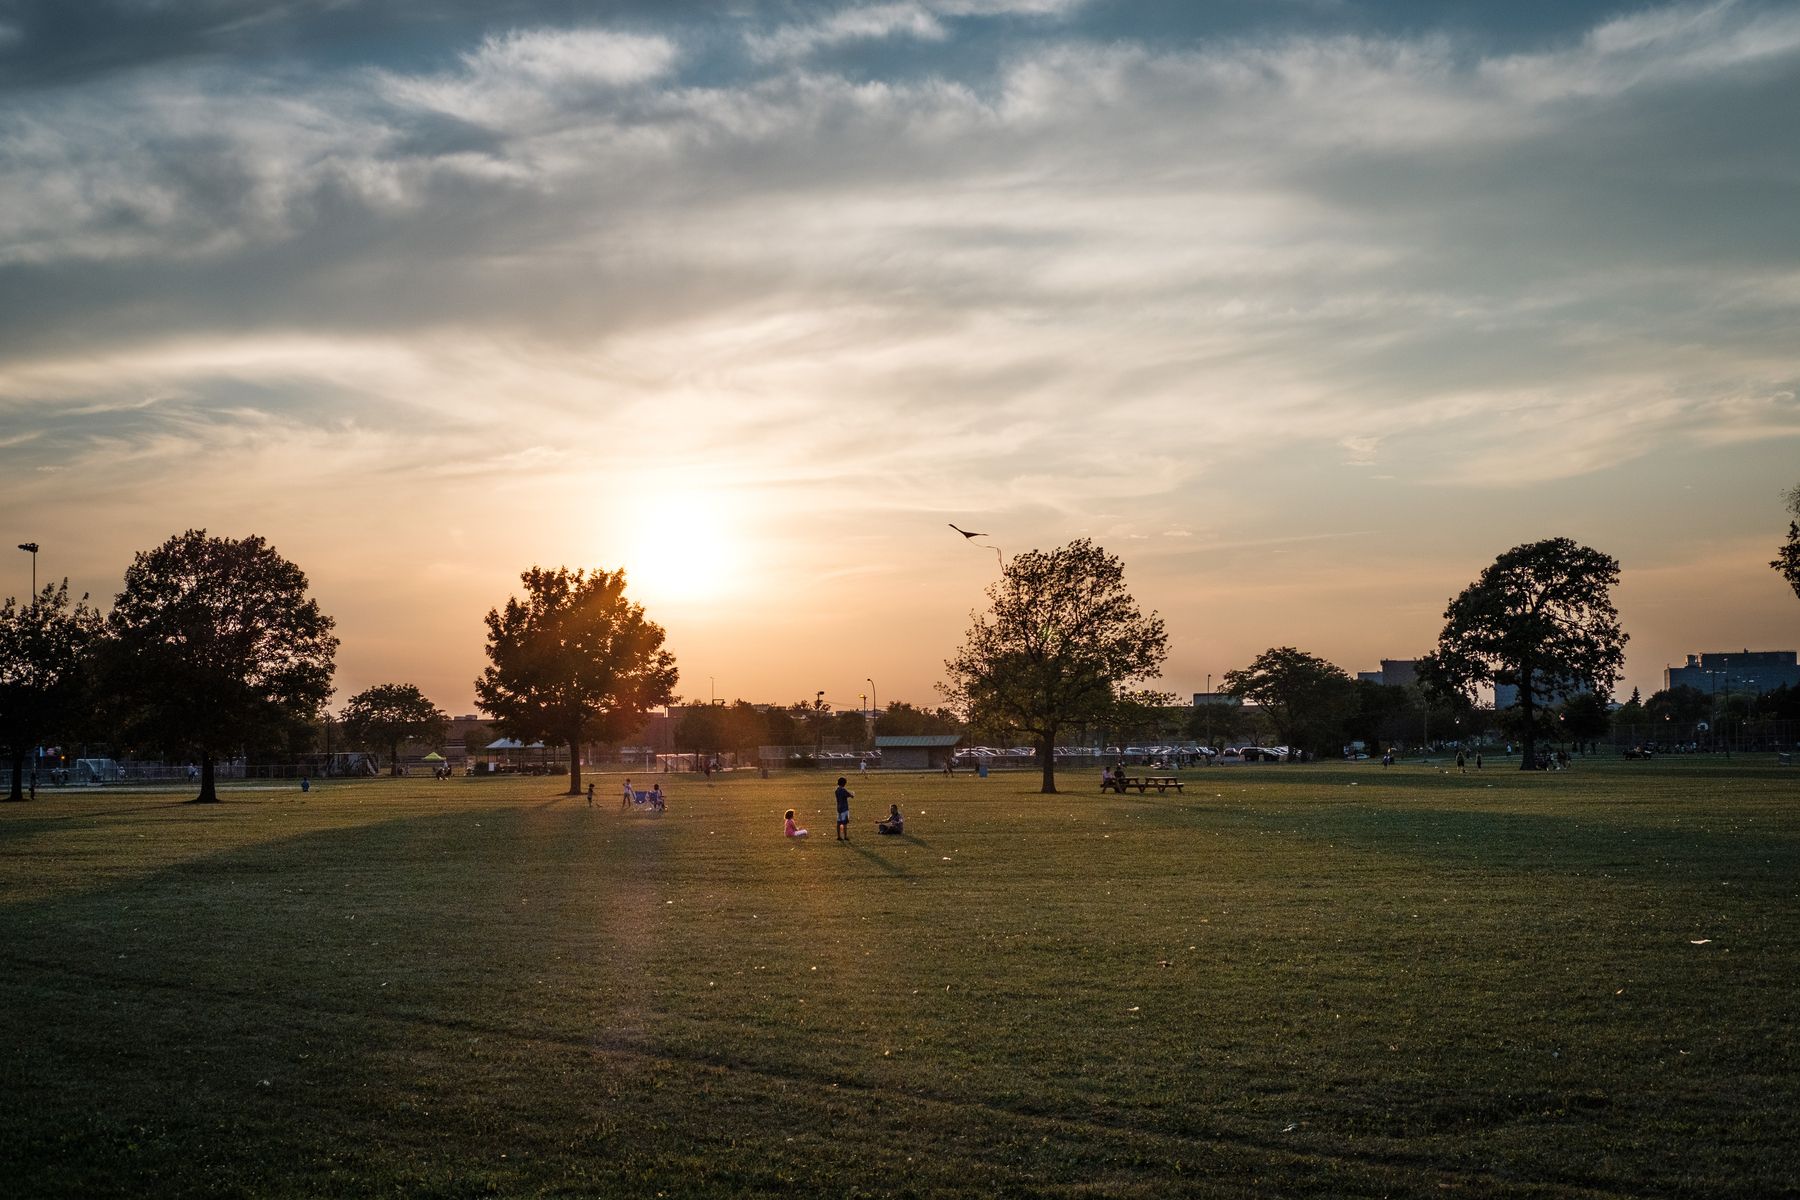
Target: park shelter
917	752
512	751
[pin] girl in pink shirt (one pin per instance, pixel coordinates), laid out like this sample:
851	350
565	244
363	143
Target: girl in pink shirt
791	830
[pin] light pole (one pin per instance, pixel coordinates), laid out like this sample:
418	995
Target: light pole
31	548
874	697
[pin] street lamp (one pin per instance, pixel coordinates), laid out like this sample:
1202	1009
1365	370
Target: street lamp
31	548
874	696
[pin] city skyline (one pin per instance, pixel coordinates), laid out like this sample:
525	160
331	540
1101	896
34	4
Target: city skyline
1305	311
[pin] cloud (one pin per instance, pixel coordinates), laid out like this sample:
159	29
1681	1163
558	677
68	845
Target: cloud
1373	244
921	20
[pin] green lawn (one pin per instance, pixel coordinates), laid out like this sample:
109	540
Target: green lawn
1330	981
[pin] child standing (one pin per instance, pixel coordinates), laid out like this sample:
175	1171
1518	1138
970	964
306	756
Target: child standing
843	799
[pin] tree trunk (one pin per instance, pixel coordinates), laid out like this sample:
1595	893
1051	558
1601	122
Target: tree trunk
17	794
575	763
1047	756
394	758
1528	757
208	794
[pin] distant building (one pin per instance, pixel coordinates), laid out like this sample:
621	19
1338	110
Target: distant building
1750	672
1395	672
1214	698
1506	695
917	752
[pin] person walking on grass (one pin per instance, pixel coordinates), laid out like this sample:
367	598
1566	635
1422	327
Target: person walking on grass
843	803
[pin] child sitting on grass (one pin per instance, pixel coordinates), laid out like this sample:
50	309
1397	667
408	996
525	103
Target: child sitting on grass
792	830
895	823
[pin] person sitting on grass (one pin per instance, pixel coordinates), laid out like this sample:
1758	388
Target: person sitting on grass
792	830
656	797
895	823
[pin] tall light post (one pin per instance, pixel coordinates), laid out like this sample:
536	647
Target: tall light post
874	697
31	548
1209	704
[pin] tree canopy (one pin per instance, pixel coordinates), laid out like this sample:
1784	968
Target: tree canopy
384	716
1060	640
901	719
44	655
215	647
1787	559
1679	708
573	661
1305	698
1540	618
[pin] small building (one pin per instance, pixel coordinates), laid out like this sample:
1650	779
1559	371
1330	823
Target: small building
917	752
1395	672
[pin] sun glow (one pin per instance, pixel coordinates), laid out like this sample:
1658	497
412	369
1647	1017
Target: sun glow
682	549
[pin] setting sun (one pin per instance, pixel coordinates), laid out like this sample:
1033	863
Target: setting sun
680	549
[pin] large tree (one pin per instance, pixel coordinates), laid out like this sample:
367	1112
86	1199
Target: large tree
216	648
1306	699
391	713
44	660
573	661
1787	559
1540	618
1060	640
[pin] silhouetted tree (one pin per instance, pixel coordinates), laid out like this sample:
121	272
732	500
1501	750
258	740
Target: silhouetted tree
1540	618
45	651
573	661
215	647
701	729
384	716
1787	559
1060	639
1679	707
1304	697
901	719
1584	718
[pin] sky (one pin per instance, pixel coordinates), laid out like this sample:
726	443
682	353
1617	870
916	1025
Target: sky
1305	309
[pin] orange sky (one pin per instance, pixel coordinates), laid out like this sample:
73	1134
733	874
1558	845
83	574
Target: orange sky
1305	319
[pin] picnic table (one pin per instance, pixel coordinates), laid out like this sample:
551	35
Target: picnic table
1142	783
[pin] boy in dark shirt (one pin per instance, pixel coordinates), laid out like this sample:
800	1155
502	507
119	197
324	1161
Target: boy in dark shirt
843	799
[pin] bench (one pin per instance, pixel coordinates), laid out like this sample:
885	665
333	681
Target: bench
1142	783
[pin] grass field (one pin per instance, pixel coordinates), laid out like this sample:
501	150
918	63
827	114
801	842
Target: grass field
1330	981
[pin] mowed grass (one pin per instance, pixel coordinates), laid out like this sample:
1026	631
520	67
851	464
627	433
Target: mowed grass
1305	981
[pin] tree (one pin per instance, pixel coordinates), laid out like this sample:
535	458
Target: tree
1540	618
701	729
573	661
1306	698
1584	718
1787	559
391	713
901	719
1060	639
44	658
1143	713
1682	706
216	647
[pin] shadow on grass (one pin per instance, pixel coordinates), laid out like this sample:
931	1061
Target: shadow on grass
879	860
